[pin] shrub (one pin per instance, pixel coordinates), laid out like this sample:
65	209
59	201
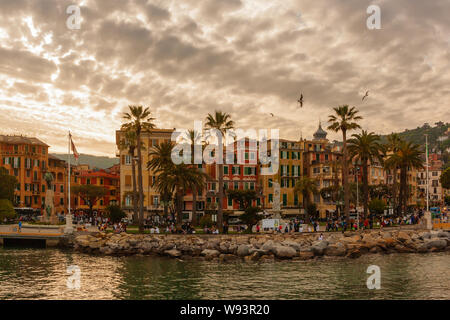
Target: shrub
377	206
206	221
115	214
6	209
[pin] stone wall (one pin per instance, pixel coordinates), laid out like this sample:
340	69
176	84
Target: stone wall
266	247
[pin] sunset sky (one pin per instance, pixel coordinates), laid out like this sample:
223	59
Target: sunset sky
250	58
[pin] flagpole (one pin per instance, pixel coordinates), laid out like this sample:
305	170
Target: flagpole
426	155
68	160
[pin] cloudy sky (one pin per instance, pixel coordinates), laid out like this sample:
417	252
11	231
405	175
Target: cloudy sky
250	58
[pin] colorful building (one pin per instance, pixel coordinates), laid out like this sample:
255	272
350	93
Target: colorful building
322	162
152	198
101	178
289	172
26	158
58	168
436	193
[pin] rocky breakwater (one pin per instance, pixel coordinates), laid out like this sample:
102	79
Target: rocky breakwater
265	247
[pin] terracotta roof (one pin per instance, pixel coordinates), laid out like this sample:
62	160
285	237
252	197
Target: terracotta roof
22	140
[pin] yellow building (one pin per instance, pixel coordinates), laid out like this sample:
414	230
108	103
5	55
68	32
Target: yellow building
322	162
289	172
152	198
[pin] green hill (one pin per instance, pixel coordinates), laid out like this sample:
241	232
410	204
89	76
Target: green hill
438	142
92	161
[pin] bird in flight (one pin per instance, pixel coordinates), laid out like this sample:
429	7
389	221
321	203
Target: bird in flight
271	114
365	96
300	100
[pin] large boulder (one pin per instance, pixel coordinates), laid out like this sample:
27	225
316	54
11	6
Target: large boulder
243	250
403	236
425	235
269	246
210	253
443	234
305	255
351	239
226	257
284	252
354	253
291	244
336	250
437	244
402	249
95	244
174	253
422	248
319	247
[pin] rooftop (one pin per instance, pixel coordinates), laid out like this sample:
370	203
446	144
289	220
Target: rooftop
22	140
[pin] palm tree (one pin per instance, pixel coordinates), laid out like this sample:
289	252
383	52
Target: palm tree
172	178
306	186
129	144
390	164
408	156
194	138
139	120
160	158
366	148
344	120
177	179
222	122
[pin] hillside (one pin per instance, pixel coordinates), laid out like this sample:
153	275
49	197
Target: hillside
436	141
92	161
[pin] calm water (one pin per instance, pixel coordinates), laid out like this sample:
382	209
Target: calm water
41	274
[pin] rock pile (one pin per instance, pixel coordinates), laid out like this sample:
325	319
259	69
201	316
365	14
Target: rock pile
266	247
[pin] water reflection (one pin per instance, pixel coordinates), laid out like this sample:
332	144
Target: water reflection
41	274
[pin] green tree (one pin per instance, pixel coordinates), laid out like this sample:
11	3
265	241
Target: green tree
115	214
447	200
222	122
408	156
445	179
174	178
306	186
194	138
391	165
6	210
129	144
312	209
251	217
365	148
89	193
160	159
139	121
7	185
243	197
206	221
377	206
344	119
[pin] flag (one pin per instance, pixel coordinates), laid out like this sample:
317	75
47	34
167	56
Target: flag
74	150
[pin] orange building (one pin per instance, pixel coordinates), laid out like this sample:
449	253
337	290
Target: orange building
58	168
98	177
25	158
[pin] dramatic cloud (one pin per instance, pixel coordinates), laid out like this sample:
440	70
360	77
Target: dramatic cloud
246	57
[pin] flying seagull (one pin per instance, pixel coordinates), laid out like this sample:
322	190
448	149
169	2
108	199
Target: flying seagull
366	95
300	101
271	114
